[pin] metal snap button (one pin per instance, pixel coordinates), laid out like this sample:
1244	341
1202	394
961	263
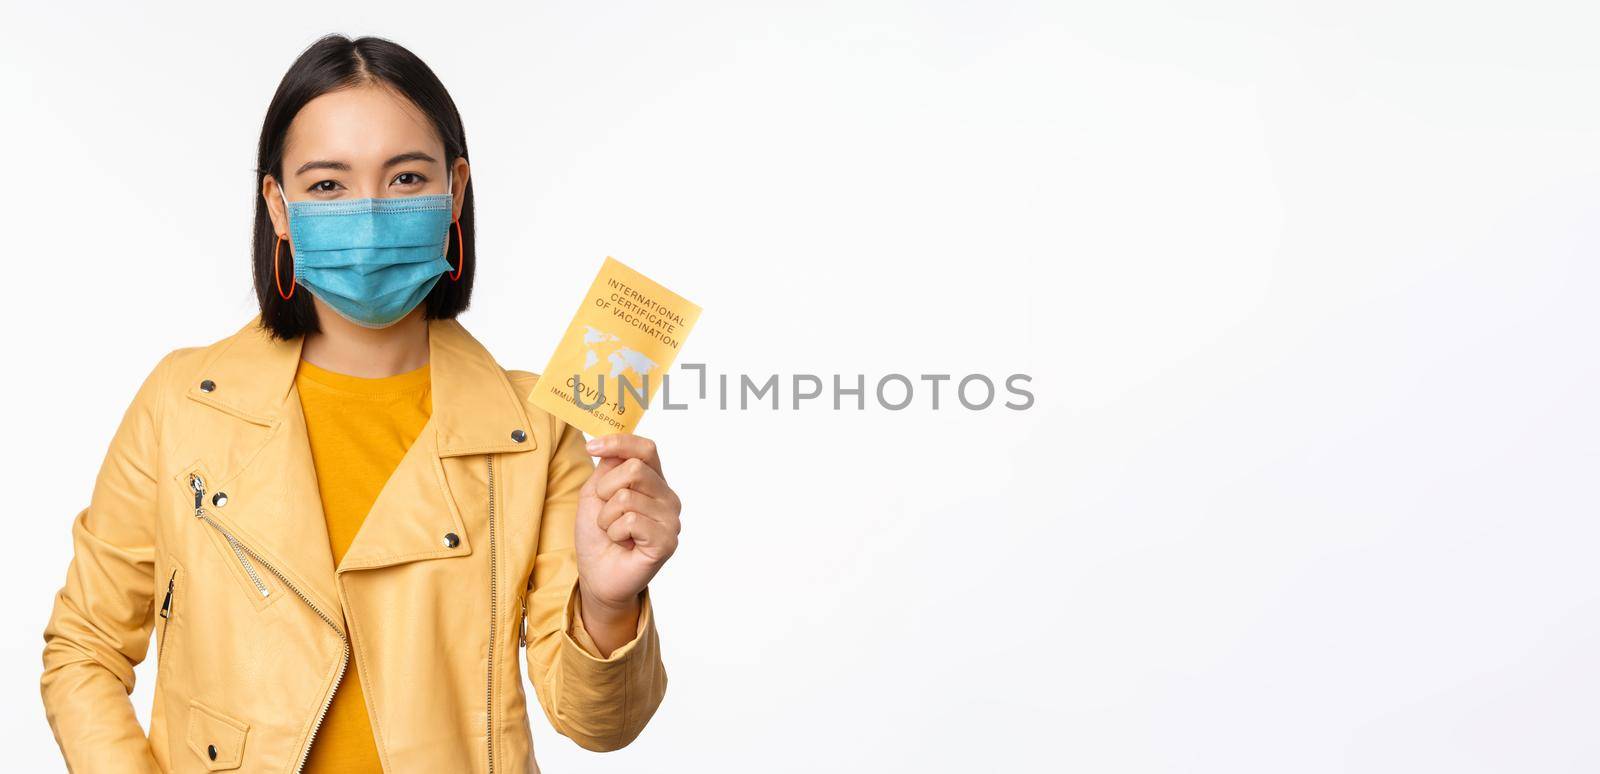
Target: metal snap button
450	540
518	436
219	499
211	750
207	386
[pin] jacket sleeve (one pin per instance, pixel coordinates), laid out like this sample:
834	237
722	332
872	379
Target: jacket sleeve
99	628
600	703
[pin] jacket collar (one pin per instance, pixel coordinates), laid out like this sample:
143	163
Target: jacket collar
278	513
475	409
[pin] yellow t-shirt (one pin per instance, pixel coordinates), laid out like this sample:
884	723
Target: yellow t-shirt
359	429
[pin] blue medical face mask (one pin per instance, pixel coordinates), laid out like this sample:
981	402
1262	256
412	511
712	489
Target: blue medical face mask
372	260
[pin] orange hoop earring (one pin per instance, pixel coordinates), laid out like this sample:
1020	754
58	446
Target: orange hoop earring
461	252
277	277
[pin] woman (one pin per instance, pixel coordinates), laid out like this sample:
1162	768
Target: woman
344	520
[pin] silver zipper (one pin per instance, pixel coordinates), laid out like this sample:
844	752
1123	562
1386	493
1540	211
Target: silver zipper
493	614
166	620
344	658
199	487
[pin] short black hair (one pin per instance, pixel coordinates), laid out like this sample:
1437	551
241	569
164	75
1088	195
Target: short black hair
336	62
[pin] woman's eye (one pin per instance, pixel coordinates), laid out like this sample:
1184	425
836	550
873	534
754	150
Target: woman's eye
408	178
326	186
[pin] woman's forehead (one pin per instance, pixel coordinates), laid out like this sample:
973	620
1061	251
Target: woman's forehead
360	125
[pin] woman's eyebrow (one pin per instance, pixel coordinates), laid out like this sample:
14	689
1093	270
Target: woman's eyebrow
404	157
343	167
310	165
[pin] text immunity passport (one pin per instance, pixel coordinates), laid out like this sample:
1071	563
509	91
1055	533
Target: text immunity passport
617	350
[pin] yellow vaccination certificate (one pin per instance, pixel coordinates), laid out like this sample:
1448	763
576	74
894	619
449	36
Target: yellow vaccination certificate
611	361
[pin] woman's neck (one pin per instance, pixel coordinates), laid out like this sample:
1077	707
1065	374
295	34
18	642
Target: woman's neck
346	348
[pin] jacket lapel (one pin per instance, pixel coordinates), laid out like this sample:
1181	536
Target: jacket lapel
475	411
263	459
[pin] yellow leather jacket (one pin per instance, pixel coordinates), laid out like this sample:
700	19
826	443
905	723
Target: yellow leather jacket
205	534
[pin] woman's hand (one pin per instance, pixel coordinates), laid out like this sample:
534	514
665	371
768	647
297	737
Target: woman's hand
627	528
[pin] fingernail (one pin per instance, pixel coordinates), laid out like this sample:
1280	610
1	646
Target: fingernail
594	445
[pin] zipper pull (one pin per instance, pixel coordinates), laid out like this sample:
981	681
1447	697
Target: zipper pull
199	488
522	625
166	604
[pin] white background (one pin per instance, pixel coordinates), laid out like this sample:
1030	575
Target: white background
1307	292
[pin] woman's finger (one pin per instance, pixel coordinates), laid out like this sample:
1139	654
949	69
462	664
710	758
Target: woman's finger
634	474
591	485
631	501
627	445
642	530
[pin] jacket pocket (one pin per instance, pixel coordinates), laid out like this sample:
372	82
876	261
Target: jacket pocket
215	737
